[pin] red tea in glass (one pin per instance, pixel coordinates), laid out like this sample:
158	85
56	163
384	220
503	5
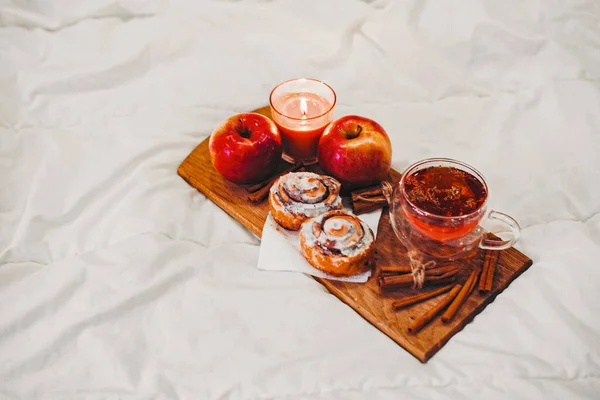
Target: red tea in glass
443	201
439	211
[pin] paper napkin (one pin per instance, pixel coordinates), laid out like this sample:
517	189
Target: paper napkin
280	249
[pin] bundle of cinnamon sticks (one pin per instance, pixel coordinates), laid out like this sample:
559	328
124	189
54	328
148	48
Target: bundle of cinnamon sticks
368	199
391	278
259	191
456	294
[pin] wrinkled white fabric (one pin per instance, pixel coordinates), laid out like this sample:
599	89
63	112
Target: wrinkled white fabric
119	280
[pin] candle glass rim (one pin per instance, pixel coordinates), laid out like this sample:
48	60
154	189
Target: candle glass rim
302	79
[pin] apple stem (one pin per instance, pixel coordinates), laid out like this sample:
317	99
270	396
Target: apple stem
243	130
356	133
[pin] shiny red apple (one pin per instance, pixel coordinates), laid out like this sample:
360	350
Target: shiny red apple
245	148
355	150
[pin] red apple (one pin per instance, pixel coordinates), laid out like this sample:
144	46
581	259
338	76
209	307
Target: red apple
355	150
245	148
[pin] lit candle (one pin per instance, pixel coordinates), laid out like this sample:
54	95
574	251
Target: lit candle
301	109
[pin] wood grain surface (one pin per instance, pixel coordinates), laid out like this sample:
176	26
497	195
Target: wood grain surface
366	298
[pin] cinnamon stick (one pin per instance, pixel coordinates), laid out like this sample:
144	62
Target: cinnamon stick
424	319
437	278
408	301
488	270
388	282
367	199
374	199
262	193
403	269
257	186
370	191
442	270
396	269
466	290
364	207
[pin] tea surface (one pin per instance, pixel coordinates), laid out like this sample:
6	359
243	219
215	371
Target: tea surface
445	191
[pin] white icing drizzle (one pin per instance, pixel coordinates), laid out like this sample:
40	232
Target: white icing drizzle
349	243
304	188
307	188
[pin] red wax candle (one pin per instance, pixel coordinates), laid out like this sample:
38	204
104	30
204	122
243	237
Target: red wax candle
302	108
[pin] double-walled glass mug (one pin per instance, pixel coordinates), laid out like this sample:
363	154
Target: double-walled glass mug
439	211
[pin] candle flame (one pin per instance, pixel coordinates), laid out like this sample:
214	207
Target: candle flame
303	107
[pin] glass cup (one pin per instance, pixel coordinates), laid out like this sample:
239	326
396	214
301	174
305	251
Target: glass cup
431	238
301	109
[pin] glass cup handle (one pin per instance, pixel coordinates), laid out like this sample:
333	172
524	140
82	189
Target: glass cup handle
513	230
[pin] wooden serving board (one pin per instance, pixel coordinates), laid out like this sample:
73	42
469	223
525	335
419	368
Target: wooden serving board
365	298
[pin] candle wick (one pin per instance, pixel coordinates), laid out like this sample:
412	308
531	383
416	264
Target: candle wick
303	107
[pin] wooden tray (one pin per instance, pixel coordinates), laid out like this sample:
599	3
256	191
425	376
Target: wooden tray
366	298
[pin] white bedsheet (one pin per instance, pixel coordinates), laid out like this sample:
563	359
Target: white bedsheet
119	280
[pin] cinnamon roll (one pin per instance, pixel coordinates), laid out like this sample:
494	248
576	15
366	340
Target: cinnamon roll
338	243
297	196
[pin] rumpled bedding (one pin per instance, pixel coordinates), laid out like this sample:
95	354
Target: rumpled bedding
119	281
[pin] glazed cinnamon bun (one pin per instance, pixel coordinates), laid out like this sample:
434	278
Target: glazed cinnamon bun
297	196
338	243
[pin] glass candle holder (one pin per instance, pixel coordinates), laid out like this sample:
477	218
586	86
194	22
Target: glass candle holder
301	109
